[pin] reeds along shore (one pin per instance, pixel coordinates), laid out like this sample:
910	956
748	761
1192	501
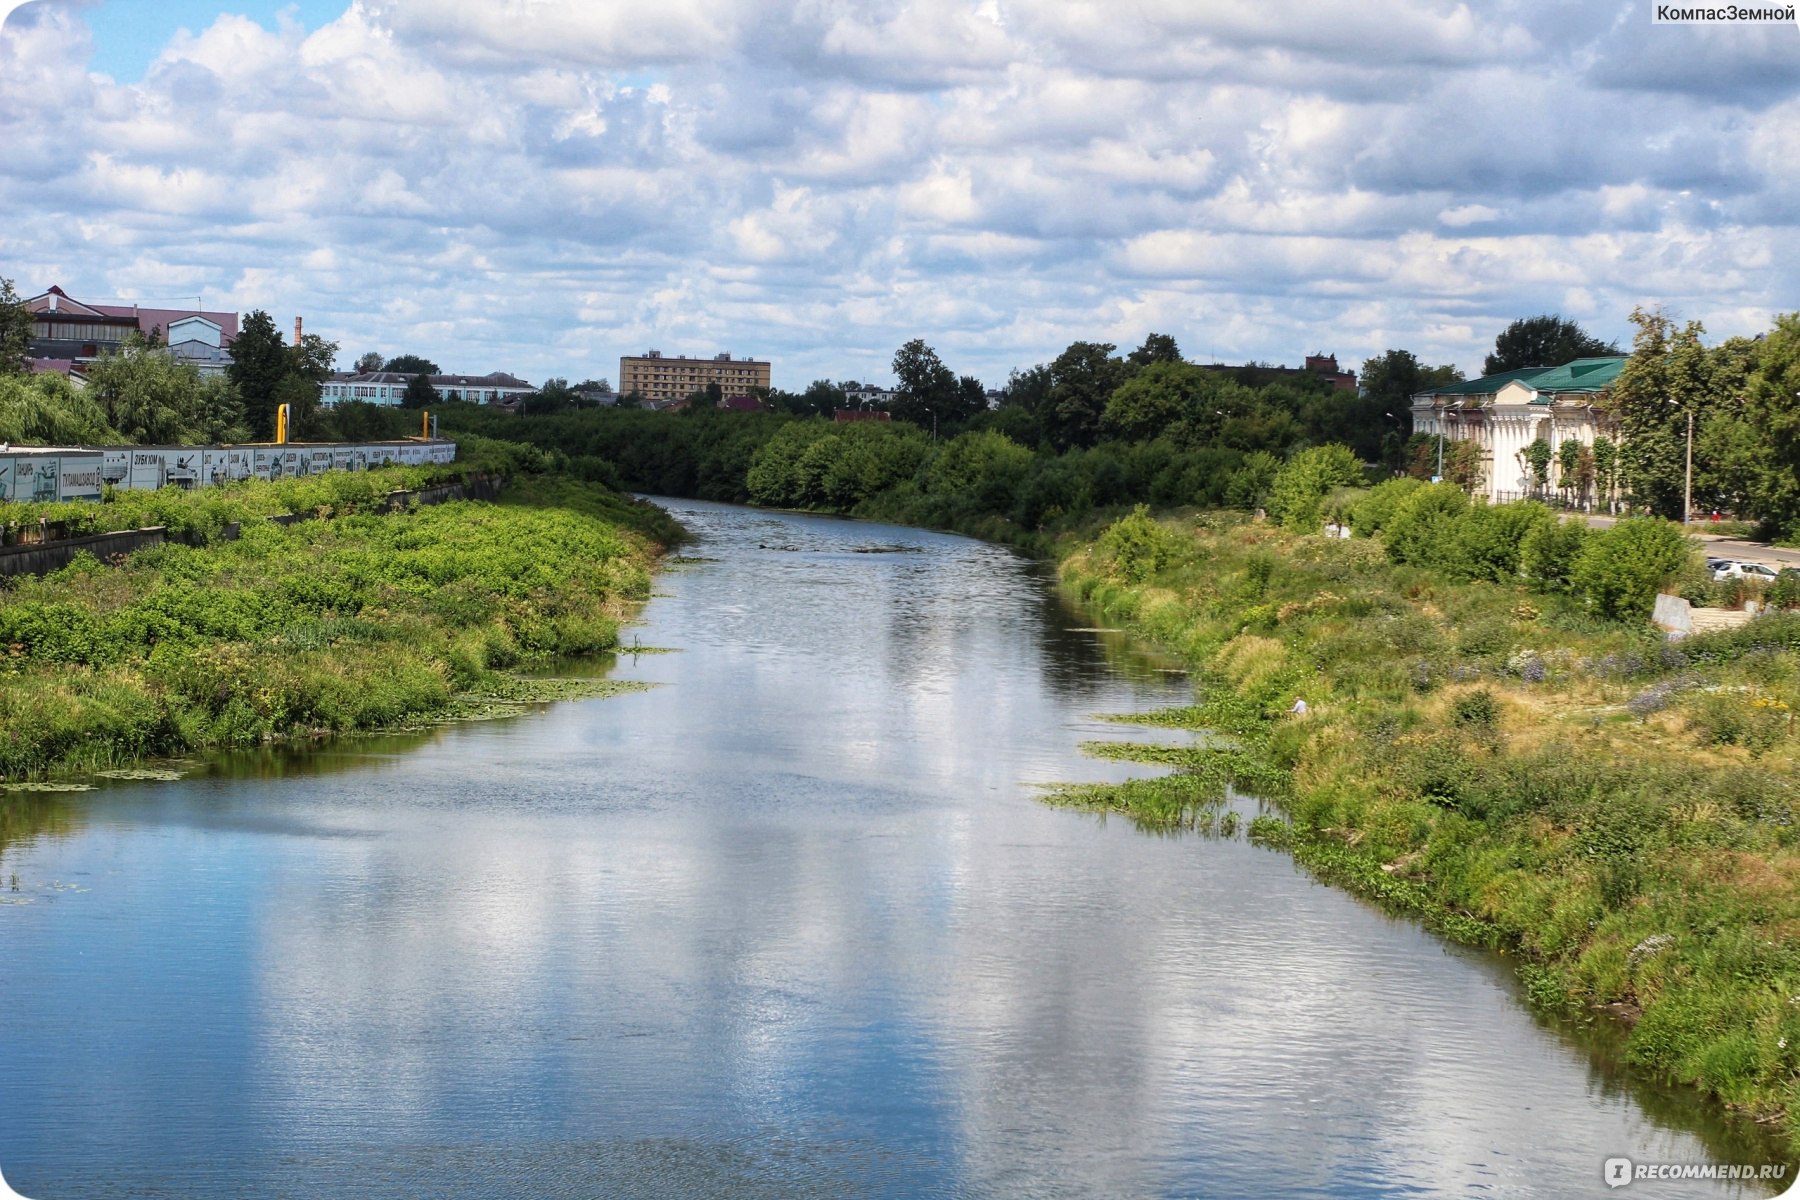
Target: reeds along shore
356	621
1615	811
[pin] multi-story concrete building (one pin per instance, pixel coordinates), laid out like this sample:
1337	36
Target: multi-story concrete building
663	381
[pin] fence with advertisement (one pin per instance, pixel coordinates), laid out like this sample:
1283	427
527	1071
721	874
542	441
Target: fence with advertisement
84	472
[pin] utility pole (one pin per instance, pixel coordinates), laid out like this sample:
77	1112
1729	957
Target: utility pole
1687	498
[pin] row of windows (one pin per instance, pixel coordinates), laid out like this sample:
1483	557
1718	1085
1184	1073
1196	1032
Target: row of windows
64	332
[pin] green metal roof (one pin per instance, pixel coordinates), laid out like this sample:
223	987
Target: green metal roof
1582	375
1487	385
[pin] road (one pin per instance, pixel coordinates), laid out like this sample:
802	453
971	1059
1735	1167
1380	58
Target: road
1722	546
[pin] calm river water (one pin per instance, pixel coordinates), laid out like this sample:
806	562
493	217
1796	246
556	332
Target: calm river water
789	924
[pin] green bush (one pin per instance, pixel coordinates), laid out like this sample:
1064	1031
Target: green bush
1297	495
1621	569
1136	547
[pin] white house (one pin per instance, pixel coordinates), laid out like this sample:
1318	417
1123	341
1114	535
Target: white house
1505	413
388	387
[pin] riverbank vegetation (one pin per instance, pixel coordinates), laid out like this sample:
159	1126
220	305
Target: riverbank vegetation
1493	753
355	620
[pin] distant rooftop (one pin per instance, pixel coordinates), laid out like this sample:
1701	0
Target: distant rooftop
1583	376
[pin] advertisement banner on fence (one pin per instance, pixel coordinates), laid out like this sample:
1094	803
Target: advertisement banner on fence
78	477
182	467
6	479
115	467
37	477
148	471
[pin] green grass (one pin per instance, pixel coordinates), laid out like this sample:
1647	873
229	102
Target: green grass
358	622
1620	816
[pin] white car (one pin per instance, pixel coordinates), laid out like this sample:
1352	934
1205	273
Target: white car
1743	570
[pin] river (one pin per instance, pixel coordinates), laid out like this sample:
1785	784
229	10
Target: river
790	923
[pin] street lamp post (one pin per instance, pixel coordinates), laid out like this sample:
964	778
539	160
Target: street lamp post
1399	425
1687	496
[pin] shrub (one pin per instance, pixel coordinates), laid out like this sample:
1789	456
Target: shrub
1621	569
1297	496
1476	712
1422	530
1378	505
1136	547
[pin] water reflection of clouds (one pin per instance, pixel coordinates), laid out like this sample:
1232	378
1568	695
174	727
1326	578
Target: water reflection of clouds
770	903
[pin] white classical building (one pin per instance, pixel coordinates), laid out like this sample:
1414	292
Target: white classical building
1505	413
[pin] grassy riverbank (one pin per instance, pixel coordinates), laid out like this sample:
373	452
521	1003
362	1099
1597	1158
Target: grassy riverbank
352	621
1616	812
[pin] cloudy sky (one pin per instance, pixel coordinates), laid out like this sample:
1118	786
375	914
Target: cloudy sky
543	185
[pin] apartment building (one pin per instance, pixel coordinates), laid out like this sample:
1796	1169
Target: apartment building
662	380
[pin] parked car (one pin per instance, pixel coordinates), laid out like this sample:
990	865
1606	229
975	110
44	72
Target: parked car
1743	570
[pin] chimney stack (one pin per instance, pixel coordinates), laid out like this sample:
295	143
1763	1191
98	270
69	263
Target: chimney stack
296	331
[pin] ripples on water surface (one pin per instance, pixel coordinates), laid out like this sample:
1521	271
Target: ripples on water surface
789	924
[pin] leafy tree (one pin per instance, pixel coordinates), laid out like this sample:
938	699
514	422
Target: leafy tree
1537	457
313	358
47	410
1392	379
928	395
153	400
1606	468
1152	401
554	395
1376	420
1489	538
1083	379
369	363
1250	483
16	323
1568	459
971	398
419	393
360	421
1546	341
979	471
1585	473
412	364
1771	408
1667	379
821	398
259	363
306	422
1157	348
1462	465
